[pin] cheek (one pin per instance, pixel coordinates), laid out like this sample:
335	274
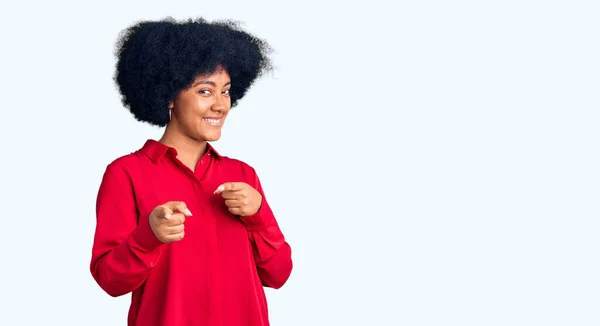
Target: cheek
201	105
195	107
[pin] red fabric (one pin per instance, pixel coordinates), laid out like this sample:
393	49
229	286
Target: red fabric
215	275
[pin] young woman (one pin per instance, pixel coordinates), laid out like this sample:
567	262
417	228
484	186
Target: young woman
183	228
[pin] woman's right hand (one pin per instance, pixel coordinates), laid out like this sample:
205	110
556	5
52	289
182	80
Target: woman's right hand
167	221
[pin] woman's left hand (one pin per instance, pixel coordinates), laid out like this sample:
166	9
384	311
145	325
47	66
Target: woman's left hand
241	199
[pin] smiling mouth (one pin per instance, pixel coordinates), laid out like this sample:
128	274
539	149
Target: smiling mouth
212	122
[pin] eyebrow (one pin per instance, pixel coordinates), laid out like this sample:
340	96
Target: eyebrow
208	82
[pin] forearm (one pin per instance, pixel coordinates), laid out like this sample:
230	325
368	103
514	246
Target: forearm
122	268
272	253
125	248
273	263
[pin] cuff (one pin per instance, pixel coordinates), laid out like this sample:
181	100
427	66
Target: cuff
144	239
262	219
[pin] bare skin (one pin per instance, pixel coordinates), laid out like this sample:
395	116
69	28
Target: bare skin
167	221
197	116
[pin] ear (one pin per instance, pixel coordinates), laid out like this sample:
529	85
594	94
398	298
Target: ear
171	106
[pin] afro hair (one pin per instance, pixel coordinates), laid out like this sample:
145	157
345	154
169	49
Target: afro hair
158	59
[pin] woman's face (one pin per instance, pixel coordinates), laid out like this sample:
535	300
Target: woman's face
199	112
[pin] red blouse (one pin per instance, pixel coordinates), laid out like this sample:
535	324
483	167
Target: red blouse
215	275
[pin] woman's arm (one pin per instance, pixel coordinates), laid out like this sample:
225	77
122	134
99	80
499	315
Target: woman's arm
272	253
123	252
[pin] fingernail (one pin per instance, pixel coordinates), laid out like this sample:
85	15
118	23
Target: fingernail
187	211
221	188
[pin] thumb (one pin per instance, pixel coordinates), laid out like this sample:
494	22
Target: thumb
177	206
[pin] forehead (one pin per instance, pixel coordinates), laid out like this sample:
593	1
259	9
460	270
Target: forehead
220	75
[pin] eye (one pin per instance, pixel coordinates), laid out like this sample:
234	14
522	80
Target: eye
204	92
226	92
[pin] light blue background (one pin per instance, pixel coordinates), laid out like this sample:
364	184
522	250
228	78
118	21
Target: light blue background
430	162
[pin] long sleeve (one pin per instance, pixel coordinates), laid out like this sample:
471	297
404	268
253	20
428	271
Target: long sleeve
272	253
123	252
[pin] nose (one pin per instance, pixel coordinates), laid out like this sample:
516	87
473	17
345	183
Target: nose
221	103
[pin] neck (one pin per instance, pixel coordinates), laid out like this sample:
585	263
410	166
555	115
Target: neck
189	150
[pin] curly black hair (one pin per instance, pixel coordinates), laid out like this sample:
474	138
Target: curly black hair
158	59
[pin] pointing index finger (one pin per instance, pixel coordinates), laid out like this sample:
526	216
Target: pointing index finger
228	186
173	207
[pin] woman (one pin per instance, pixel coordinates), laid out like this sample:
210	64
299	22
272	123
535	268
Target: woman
183	228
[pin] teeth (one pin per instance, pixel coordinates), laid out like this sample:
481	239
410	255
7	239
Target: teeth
212	121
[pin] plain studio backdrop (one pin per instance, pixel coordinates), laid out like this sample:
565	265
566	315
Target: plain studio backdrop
430	162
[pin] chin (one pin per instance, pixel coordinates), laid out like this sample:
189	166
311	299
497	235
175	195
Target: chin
211	137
